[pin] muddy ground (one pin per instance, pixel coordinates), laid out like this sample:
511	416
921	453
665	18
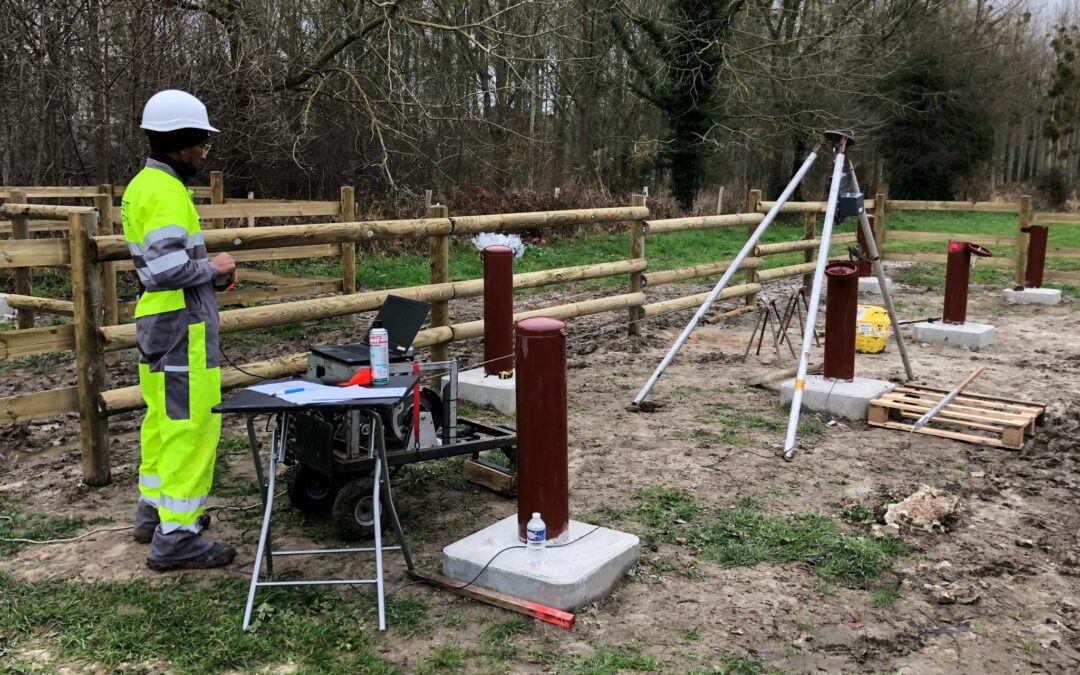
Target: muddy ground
998	591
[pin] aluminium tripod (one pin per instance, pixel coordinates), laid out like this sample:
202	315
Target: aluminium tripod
840	141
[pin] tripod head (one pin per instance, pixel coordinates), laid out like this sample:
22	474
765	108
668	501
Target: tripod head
841	137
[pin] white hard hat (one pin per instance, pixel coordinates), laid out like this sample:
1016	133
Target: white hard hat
173	109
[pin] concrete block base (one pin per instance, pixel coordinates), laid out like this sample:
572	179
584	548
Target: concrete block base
970	335
842	399
1033	296
477	387
870	286
568	577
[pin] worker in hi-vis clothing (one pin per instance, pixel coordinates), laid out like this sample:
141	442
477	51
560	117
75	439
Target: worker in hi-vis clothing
176	329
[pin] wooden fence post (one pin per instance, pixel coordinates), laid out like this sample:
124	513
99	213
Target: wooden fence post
439	257
86	277
24	276
1022	240
752	202
809	223
103	202
879	223
217	196
637	250
348	250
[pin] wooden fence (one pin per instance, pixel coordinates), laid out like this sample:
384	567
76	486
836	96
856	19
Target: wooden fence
21	225
92	254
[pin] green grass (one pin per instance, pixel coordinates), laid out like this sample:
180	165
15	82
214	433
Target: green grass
735	421
444	659
856	514
742	535
16	524
192	626
499	638
885	595
608	660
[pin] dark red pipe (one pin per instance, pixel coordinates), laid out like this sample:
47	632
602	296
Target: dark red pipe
542	475
957	271
841	306
865	267
1036	259
498	309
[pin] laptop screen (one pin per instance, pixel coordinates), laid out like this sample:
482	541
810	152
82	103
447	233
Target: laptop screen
402	319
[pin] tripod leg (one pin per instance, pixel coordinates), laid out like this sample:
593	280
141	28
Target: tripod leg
815	300
871	245
778	339
747	248
753	334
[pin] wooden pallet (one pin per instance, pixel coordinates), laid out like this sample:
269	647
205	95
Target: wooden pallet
973	418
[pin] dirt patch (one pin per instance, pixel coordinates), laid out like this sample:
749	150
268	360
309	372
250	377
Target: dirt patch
998	591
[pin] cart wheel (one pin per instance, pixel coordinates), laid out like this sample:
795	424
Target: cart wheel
353	515
309	490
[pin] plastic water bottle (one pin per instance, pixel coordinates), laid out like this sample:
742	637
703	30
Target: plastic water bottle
379	354
535	536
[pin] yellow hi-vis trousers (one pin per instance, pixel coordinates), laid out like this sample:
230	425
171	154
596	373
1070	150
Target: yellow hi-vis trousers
179	435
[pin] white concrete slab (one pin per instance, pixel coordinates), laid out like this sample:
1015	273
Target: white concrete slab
6	312
870	286
477	387
970	335
837	397
571	576
1033	296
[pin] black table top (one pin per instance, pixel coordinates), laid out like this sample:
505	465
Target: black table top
253	402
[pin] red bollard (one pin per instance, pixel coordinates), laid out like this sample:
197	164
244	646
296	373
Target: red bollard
1036	259
866	268
841	306
542	476
498	309
957	271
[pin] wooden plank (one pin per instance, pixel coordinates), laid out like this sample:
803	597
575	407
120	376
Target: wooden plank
983	207
975	412
439	262
51	192
347	209
637	251
37	226
942	418
954	435
804	207
261	254
1047	218
24	281
245	296
282	279
242	208
43	305
491	477
997	262
47	211
42	340
702	223
217	197
944	237
1008	402
34	253
90	360
39	405
531	609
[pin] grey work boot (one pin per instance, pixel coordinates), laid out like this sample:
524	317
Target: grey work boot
184	550
147	519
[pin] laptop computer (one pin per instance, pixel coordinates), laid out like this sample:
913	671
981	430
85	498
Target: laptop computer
402	319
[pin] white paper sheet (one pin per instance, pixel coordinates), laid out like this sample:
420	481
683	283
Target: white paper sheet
301	392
